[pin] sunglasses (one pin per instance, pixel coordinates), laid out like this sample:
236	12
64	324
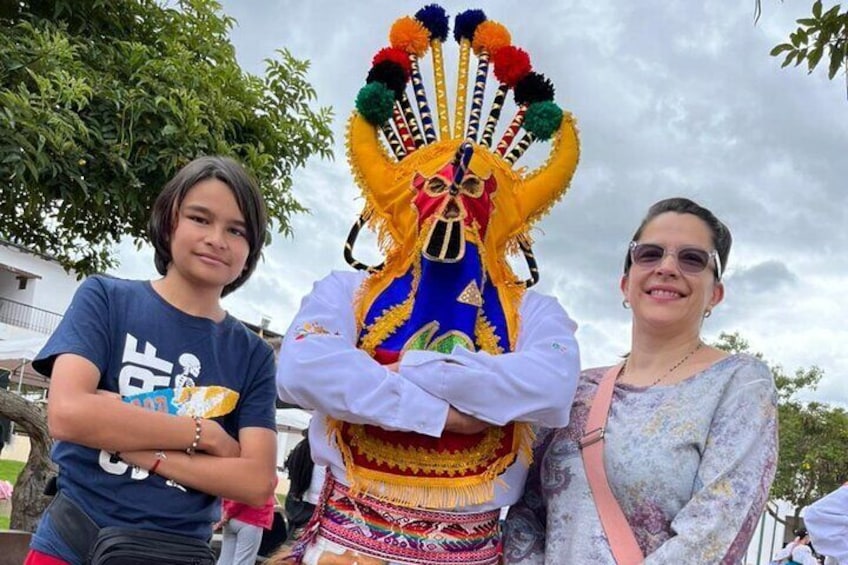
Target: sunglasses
691	260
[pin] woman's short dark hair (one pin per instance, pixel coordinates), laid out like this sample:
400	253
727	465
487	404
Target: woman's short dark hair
247	195
720	233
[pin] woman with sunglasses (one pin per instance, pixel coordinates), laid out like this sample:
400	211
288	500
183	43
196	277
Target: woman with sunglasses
685	442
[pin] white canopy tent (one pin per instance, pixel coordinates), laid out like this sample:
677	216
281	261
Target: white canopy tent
15	354
292	420
24	348
20	351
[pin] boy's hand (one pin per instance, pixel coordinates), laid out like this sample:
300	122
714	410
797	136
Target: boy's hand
214	440
463	423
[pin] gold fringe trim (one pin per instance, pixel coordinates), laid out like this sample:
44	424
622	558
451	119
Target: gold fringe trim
386	324
461	493
511	294
420	460
434	492
525	437
487	339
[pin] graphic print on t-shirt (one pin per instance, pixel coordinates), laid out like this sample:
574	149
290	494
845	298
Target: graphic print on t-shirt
152	383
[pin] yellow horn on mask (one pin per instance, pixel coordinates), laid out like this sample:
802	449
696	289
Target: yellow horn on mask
387	193
545	186
521	201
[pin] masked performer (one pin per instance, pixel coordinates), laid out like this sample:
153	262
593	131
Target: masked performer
427	371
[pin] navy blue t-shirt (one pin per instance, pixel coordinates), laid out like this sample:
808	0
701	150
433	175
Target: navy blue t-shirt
141	343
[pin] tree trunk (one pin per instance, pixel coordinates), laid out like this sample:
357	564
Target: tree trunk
28	500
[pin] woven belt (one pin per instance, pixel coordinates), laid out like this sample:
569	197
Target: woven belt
408	535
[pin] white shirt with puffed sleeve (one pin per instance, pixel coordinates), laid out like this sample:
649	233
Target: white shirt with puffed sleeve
321	369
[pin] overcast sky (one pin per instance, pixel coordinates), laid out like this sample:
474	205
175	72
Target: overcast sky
672	98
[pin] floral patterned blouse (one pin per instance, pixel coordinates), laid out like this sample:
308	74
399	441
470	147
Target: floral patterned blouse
690	463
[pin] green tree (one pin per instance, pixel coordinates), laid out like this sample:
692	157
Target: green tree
102	101
812	435
822	36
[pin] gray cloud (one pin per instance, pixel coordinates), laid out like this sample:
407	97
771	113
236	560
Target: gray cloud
672	98
765	277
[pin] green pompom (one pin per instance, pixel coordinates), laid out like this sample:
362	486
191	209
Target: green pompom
543	119
375	102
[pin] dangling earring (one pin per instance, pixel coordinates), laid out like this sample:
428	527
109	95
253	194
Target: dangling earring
625	304
708	313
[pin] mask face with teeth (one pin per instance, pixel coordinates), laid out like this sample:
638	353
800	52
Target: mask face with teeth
447	209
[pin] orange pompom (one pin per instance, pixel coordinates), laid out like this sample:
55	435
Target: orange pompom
490	36
410	35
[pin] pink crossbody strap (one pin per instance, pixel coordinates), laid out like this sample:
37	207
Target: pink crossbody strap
620	535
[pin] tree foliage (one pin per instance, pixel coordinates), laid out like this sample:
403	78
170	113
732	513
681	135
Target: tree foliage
821	37
812	436
102	101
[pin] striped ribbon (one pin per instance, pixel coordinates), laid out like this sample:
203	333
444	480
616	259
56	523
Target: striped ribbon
494	115
477	100
520	148
421	100
461	161
511	131
411	120
393	140
403	130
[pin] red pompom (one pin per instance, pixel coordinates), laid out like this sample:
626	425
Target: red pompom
394	55
511	64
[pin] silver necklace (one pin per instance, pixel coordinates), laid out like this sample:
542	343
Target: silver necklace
670	371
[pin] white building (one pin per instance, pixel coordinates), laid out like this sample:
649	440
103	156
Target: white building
34	292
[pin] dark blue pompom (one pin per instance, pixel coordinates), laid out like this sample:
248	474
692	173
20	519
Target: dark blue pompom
435	19
466	24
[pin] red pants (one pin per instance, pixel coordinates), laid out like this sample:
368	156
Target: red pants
37	558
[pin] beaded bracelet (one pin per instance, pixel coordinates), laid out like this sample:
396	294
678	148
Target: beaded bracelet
160	455
197	429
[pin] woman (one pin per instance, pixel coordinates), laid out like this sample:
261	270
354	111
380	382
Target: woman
690	444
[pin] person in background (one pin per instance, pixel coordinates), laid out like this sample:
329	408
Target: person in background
300	469
242	527
784	554
802	554
689	442
827	521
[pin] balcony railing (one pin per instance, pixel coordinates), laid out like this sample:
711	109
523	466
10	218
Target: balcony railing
28	317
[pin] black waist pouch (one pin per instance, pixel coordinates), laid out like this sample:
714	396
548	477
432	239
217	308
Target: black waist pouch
125	546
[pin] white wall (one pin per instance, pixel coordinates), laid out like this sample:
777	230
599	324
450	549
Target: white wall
53	291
